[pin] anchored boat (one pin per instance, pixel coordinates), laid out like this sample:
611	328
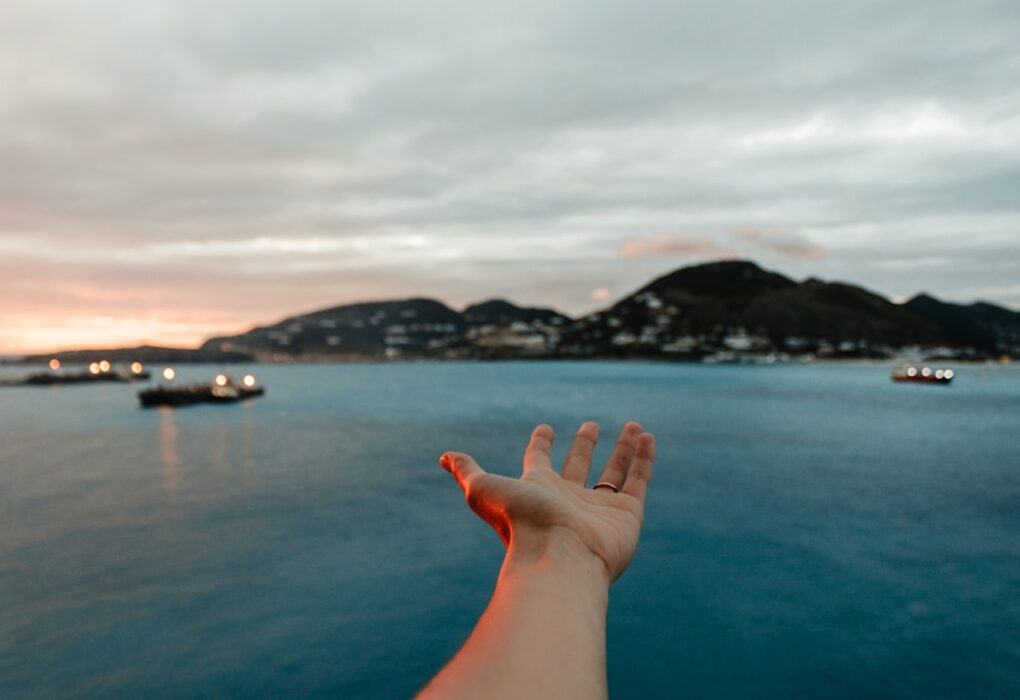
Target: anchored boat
101	371
925	375
222	390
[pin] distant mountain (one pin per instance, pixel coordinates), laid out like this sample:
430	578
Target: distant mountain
142	353
723	311
737	305
979	325
502	312
410	326
401	328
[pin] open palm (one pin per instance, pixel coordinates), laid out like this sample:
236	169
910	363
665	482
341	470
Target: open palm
542	505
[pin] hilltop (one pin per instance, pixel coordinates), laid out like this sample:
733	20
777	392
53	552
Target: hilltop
738	306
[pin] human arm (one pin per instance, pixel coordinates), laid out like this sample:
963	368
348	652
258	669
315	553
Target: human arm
543	632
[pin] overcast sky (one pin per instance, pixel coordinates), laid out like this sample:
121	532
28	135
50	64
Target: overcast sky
169	170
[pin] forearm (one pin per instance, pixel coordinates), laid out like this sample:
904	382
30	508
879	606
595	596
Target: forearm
543	632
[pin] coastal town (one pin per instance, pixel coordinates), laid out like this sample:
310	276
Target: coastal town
725	312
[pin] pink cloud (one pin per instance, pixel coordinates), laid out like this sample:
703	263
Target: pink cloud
673	244
785	243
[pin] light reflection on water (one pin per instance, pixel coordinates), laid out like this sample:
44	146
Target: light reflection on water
808	527
170	457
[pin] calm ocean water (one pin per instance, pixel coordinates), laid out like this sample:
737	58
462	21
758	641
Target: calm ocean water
812	531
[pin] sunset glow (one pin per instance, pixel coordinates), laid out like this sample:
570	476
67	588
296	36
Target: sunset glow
51	330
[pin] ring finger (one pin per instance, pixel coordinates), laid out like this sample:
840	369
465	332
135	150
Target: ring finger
616	468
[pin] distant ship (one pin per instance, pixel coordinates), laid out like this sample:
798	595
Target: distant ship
925	375
221	390
102	371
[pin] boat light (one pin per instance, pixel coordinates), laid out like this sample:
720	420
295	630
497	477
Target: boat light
94	368
104	365
169	374
249	380
939	374
136	367
949	374
926	372
912	372
221	380
54	364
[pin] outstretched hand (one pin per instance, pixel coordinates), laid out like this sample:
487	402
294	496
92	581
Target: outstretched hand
543	633
543	510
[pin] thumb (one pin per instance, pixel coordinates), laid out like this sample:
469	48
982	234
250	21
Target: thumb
462	466
479	493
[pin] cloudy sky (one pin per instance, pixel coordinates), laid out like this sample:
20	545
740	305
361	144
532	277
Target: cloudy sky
176	169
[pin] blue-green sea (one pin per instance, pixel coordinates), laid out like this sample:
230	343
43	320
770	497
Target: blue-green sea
811	531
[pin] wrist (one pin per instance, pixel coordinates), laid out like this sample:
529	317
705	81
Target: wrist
556	553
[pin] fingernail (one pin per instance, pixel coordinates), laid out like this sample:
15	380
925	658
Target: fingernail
444	461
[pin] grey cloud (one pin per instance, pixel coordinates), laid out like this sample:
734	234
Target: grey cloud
514	131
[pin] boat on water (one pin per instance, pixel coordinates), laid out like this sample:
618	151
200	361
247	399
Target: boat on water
924	375
101	371
221	390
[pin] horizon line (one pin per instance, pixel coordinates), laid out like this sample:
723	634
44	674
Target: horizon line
145	342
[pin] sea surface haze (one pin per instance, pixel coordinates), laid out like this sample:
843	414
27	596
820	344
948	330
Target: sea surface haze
811	531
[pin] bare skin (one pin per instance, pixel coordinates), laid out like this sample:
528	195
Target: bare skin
543	633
